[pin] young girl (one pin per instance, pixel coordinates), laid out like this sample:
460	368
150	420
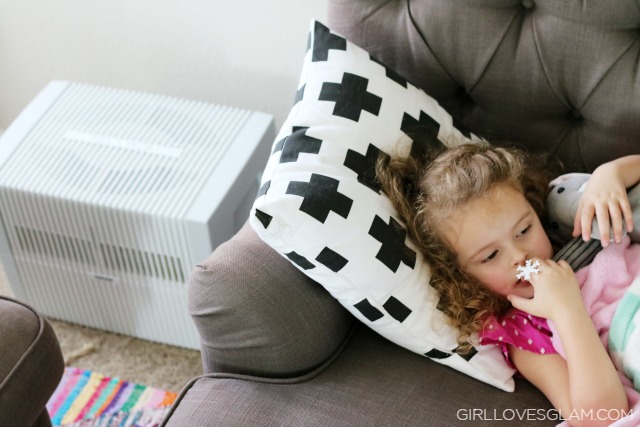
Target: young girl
476	213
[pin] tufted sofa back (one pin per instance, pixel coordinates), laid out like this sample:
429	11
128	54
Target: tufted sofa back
560	76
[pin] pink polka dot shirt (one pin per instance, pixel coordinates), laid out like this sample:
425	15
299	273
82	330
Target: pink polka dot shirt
520	329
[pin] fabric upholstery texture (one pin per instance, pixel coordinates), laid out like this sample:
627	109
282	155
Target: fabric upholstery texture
372	382
31	365
558	76
268	320
553	76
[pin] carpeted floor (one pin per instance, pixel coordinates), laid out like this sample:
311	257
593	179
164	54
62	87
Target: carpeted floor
148	363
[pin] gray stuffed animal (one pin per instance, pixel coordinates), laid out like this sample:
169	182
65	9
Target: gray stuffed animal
562	205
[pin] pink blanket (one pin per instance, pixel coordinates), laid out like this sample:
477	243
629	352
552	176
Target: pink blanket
603	284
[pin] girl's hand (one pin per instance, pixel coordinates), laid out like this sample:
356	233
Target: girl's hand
556	291
605	197
585	380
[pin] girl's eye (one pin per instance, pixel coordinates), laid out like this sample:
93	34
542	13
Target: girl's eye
524	231
490	257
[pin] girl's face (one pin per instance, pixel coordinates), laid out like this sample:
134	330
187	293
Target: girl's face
494	234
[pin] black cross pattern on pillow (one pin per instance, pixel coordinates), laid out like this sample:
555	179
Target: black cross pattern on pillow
264	218
469	355
393	250
331	259
438	354
369	311
393	306
397	309
365	166
327	257
324	41
296	143
320	196
423	121
424	124
350	97
300	261
299	95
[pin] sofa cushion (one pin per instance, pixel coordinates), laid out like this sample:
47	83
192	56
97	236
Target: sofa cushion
240	299
321	207
379	384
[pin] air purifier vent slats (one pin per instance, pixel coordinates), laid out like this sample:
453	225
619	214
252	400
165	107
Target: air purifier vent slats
144	263
119	148
48	244
117	258
109	197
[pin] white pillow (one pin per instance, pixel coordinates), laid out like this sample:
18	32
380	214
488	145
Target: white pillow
319	206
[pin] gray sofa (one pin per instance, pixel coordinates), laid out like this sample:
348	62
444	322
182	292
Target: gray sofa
31	365
559	76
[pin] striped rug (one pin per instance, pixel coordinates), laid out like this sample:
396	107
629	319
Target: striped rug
88	399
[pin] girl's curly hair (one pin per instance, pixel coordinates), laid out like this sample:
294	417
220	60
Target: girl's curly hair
426	188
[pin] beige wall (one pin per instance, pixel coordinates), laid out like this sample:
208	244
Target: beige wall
245	53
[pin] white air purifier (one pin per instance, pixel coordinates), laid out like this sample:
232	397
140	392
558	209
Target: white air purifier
110	197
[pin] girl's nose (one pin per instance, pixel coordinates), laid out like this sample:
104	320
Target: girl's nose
519	258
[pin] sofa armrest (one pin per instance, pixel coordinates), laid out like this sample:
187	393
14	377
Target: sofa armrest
31	365
256	314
